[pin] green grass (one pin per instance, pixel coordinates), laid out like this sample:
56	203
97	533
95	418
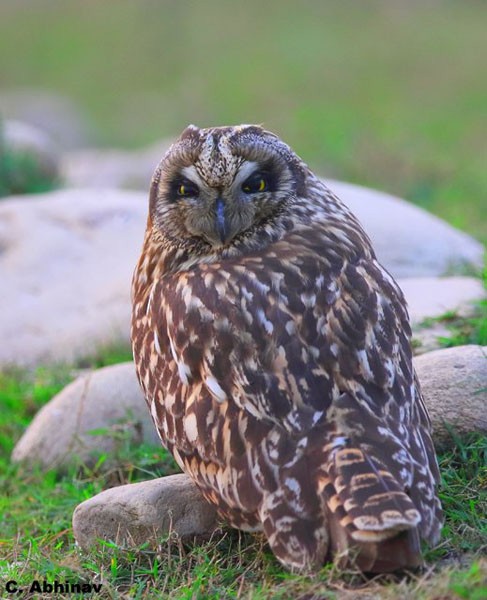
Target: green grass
387	94
37	542
470	330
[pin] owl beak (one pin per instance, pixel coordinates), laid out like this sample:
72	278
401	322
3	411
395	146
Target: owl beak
221	223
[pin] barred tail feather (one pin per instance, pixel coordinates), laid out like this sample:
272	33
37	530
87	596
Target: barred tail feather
372	521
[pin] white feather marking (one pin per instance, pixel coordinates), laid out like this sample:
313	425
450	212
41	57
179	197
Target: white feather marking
334	349
156	343
151	296
293	418
153	411
317	416
178	458
183	370
339	441
246	294
215	389
313	350
293	485
309	300
262	287
268	326
290	327
192	174
385	431
321	324
173	350
364	361
247	168
191	427
169	401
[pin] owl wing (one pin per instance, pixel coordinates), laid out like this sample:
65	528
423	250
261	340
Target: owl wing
317	347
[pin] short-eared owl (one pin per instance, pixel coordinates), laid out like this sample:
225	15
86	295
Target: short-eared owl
274	353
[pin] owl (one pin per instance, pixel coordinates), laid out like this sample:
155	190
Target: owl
274	354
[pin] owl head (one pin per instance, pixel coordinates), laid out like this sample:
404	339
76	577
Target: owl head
217	185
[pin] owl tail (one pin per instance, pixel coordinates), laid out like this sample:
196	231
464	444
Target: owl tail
372	522
300	544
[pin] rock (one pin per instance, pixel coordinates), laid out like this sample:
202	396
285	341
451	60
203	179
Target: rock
430	297
133	514
112	168
454	384
66	263
409	241
24	139
107	399
58	116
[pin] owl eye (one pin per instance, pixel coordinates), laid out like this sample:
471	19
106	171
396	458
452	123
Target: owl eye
186	189
255	183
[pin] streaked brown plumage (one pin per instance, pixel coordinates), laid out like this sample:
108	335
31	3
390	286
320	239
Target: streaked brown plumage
274	353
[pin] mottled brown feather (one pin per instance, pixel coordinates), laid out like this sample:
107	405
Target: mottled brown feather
277	363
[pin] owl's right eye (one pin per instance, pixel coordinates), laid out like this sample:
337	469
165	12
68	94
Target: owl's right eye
186	189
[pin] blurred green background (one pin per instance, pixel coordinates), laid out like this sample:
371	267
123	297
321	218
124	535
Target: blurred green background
391	94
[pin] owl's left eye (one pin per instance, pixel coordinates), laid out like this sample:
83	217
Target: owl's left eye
255	183
186	189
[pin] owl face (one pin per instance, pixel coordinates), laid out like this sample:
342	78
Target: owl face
213	185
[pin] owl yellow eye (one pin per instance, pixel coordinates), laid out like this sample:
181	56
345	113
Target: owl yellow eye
186	189
255	183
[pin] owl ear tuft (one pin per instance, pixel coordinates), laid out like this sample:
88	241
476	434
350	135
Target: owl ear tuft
190	133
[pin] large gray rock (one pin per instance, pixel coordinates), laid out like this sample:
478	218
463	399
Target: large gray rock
107	402
66	263
112	168
409	241
454	384
133	514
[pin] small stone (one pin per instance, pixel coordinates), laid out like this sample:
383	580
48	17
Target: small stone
87	419
137	513
454	384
